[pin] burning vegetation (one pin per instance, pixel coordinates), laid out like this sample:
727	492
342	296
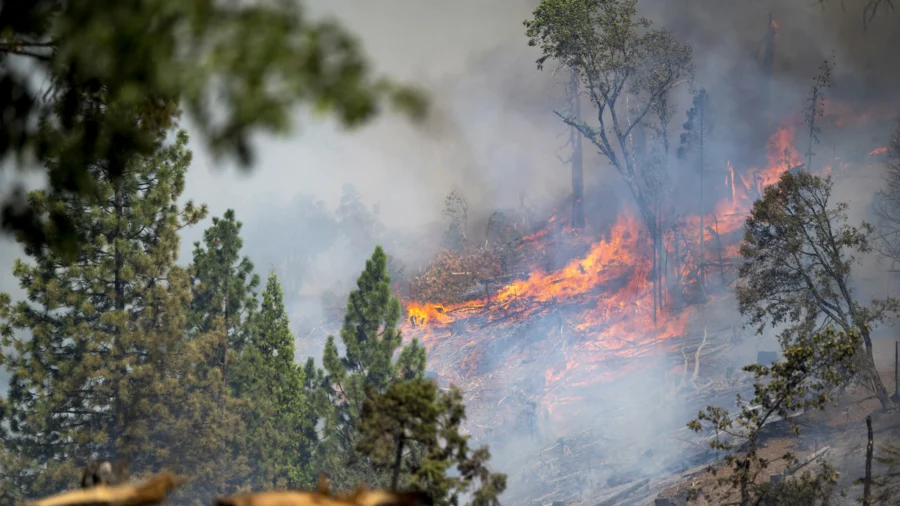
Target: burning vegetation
575	344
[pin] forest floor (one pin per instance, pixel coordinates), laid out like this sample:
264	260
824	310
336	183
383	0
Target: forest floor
628	460
841	428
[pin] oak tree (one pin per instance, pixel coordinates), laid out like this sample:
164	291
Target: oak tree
798	254
626	69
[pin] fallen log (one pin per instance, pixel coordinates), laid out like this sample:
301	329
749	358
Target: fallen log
152	491
619	497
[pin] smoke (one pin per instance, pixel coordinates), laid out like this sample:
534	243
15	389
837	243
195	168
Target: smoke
493	134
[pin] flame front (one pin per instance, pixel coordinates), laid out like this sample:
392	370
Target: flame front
606	294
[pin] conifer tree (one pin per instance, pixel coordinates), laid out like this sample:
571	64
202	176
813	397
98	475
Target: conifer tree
100	365
281	424
412	430
696	138
224	284
371	338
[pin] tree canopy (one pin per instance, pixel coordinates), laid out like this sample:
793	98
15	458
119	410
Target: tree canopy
626	69
111	76
798	254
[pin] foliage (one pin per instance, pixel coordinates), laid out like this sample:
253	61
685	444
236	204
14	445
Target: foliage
887	201
626	69
456	213
99	358
870	8
414	428
802	380
886	485
281	422
501	230
370	338
238	69
815	107
698	127
810	488
798	252
451	275
224	285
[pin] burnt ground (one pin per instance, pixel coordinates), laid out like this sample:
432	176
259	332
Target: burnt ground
618	458
841	428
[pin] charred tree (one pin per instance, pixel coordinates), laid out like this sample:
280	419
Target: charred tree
870	447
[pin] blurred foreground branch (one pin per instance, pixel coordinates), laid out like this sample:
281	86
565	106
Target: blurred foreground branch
152	491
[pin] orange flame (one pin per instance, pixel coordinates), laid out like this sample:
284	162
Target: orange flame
878	151
608	287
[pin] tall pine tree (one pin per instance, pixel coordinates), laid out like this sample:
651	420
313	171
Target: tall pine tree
99	361
413	430
224	285
371	338
281	424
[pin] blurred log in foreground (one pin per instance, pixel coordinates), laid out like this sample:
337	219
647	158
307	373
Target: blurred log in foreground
362	497
151	491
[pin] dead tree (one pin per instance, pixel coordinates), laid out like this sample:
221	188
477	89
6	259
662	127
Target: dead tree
870	447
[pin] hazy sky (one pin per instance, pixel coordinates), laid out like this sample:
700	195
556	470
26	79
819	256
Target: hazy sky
493	132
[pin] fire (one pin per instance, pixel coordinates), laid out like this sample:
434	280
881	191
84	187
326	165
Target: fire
606	294
878	151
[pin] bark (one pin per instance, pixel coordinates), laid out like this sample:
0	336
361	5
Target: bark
867	482
398	458
880	390
702	111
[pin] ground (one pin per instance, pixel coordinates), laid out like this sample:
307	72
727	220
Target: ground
841	427
620	458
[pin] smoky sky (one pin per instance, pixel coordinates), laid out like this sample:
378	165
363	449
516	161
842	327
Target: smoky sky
493	133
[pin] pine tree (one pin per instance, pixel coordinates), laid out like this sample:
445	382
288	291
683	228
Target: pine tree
224	285
697	131
412	430
281	423
99	360
371	338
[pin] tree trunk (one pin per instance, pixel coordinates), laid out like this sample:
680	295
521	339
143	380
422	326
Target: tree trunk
655	279
398	458
880	390
577	160
702	210
121	410
867	481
